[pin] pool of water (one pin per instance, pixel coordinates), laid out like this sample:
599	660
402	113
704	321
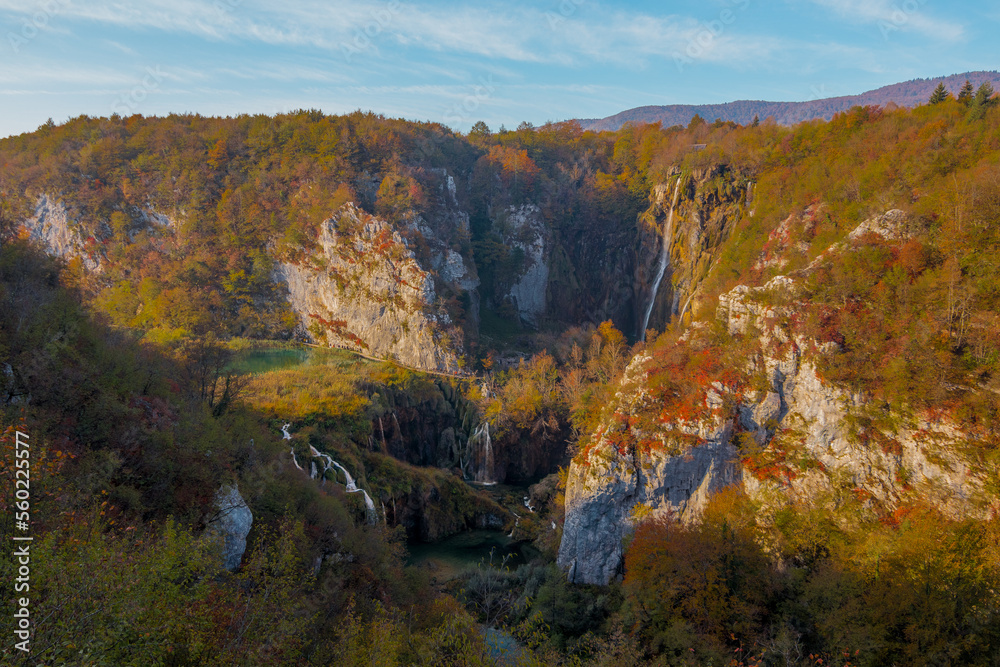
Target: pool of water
266	360
448	558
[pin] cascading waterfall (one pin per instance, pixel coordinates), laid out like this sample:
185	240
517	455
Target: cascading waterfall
288	436
668	232
484	462
353	488
330	463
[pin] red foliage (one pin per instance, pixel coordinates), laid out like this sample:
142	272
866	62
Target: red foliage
339	329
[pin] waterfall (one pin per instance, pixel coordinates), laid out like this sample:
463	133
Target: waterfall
319	455
288	436
484	462
517	521
353	488
527	503
668	232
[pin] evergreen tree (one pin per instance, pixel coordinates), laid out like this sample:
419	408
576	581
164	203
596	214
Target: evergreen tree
984	95
939	95
982	100
965	95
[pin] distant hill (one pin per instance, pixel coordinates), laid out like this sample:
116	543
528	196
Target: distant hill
907	94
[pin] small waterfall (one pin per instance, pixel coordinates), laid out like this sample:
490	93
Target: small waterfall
328	462
517	522
482	459
353	488
668	232
527	503
288	436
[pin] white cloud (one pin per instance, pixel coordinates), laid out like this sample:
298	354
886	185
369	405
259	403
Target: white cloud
74	75
891	16
500	32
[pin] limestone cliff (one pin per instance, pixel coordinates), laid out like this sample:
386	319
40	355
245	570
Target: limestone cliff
691	214
53	226
522	227
364	289
792	437
609	486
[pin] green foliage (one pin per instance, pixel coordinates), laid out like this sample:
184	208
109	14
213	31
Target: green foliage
965	94
939	95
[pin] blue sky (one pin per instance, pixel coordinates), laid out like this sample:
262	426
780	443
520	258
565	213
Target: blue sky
456	63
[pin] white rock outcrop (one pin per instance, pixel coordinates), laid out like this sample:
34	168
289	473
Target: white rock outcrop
524	228
61	235
365	290
231	522
807	430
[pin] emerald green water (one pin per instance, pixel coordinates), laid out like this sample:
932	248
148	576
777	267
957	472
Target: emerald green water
448	558
268	359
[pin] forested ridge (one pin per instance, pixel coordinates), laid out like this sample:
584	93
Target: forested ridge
127	380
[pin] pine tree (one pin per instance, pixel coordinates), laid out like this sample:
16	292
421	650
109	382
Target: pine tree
984	96
965	95
939	95
982	100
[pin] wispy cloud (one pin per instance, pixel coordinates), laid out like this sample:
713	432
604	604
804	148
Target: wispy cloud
893	16
510	32
64	74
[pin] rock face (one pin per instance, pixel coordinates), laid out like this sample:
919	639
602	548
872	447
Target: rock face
816	424
609	487
60	235
710	203
810	447
522	227
231	522
365	290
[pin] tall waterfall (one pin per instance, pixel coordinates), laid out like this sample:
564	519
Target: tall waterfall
481	456
668	232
